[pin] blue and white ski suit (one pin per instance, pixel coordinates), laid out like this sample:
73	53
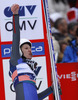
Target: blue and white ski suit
22	75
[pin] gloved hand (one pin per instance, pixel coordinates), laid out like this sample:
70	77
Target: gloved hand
59	89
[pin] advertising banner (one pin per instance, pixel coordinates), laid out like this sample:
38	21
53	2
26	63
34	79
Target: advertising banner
33	27
68	76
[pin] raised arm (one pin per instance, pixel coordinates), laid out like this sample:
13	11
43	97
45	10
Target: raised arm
16	35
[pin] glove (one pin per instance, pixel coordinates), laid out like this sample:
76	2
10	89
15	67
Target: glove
59	89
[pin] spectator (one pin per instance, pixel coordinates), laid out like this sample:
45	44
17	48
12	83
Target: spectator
72	27
61	25
56	48
63	45
71	51
53	18
55	42
56	45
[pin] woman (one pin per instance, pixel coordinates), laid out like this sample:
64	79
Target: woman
71	51
22	68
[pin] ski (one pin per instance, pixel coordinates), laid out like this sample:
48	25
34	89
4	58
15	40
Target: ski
52	55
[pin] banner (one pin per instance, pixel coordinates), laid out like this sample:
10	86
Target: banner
33	27
68	76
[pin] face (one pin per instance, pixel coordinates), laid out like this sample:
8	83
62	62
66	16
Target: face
73	32
63	26
64	47
26	49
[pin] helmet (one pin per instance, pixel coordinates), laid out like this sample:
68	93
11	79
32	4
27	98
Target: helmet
24	41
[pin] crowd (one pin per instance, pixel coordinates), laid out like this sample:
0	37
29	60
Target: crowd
64	27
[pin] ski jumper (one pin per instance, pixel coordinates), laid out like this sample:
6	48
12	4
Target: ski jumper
23	77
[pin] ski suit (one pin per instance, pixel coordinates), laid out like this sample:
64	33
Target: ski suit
22	75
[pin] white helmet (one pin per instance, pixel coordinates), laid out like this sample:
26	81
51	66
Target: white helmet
23	41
